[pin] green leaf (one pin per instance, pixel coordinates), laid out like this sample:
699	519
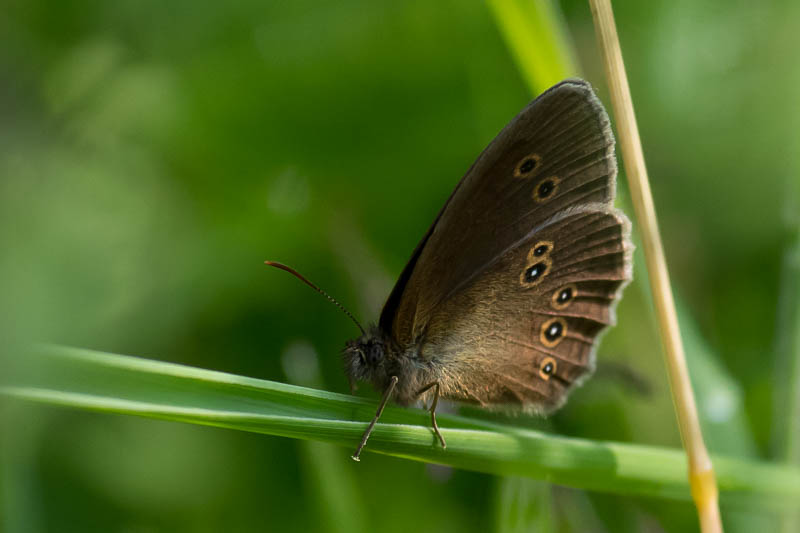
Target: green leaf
128	385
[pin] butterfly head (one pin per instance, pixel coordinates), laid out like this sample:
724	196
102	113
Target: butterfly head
365	358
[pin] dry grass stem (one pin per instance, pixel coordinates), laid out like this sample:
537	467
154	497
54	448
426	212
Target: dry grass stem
701	472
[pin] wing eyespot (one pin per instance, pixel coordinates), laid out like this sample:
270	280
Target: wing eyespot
547	368
527	166
546	189
563	297
540	249
535	271
553	332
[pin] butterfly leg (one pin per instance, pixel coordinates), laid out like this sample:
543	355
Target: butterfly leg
371	425
424	389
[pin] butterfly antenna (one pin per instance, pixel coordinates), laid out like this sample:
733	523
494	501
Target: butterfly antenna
333	300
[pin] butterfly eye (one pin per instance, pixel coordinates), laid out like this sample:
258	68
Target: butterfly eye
546	189
563	296
375	353
553	331
547	368
527	165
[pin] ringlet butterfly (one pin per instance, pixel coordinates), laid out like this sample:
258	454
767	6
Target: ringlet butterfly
503	300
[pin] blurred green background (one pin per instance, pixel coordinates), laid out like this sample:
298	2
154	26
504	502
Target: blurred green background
154	154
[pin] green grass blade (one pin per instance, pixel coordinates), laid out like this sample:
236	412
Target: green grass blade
787	431
535	34
720	399
129	385
330	484
523	505
333	488
786	425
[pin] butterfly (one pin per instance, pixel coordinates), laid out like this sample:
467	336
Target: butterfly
504	298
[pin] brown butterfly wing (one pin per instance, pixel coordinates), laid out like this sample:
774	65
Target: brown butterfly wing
557	153
523	332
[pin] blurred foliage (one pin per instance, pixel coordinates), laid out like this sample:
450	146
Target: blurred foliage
153	154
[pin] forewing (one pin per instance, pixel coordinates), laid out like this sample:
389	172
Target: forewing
557	153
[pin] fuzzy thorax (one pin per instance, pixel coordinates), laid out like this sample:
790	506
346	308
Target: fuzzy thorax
375	358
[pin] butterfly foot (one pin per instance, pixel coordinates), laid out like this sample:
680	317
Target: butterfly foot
436	429
441	439
433	419
434	404
386	395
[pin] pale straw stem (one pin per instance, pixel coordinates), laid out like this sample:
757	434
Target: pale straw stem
701	473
